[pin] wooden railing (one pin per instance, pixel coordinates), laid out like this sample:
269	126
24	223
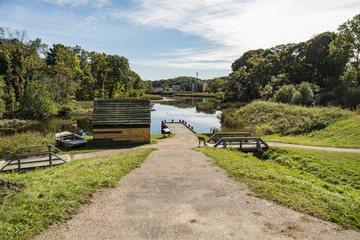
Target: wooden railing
218	135
22	159
243	143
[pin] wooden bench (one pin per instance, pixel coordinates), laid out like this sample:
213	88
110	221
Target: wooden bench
166	131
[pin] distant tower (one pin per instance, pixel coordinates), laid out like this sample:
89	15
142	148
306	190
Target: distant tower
197	74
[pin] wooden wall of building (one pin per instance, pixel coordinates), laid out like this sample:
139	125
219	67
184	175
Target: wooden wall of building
105	135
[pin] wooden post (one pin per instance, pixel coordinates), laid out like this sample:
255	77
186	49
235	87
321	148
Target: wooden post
50	155
19	158
240	145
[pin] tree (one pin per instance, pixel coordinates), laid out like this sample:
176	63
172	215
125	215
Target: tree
117	78
217	85
322	70
65	68
2	103
345	49
37	102
99	70
237	86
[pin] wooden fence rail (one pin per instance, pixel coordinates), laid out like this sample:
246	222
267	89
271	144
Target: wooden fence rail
25	159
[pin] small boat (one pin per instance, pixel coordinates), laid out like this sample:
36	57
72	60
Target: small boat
68	139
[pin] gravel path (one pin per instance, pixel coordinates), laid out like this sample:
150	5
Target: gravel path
178	193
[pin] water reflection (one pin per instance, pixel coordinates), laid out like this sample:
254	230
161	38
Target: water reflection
79	124
202	122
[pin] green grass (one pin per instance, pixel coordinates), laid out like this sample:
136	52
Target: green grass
161	136
320	183
320	126
53	194
202	135
152	97
202	95
343	133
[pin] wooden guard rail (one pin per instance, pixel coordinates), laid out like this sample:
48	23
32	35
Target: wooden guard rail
215	137
20	157
241	141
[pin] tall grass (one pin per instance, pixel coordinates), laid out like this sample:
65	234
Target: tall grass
9	144
270	117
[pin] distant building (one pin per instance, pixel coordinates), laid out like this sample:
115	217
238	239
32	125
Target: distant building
175	87
119	121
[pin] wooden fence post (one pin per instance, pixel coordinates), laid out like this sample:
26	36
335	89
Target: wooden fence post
50	155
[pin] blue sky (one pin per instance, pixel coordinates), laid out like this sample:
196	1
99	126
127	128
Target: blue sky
169	38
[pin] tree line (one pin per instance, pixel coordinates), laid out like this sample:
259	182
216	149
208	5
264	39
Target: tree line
36	80
323	70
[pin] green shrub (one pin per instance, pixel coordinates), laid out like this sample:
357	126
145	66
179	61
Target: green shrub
285	94
36	102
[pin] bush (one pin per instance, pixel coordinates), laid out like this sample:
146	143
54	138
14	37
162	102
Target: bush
285	94
306	95
37	102
344	96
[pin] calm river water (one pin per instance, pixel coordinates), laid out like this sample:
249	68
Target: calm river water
168	109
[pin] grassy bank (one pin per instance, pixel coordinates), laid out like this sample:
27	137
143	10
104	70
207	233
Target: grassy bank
322	184
49	195
201	95
152	97
295	124
206	106
12	124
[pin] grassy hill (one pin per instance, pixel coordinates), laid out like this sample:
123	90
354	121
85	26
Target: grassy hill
322	126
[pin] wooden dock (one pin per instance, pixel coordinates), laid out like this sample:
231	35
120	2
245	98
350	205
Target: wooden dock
31	157
176	127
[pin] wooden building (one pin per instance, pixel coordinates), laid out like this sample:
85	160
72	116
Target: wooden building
119	121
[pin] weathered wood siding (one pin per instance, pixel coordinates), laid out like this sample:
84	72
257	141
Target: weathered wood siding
119	121
121	134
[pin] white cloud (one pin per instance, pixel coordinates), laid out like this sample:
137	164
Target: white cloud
235	26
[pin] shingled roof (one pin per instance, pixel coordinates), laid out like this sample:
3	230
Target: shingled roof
121	111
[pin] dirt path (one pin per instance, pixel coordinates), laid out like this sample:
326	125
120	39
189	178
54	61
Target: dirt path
180	194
